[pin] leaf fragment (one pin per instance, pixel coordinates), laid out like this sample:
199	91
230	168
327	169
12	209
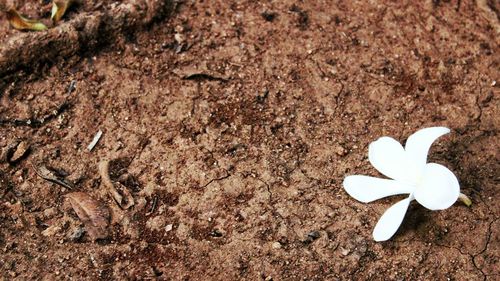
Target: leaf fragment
59	8
19	22
94	215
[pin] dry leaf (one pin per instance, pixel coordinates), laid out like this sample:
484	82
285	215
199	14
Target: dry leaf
59	8
94	215
19	22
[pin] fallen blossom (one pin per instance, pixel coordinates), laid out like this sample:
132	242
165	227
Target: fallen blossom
432	185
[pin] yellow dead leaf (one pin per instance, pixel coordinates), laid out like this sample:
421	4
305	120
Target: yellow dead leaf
59	8
19	22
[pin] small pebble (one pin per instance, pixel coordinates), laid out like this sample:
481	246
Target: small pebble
313	235
215	233
168	227
76	234
340	151
345	252
51	230
179	38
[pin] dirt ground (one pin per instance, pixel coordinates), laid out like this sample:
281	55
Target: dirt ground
232	125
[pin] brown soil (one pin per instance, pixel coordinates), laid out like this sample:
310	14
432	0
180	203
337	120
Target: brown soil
233	123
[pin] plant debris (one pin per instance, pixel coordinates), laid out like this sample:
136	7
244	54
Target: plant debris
96	139
72	86
59	8
19	22
46	174
153	206
122	196
94	215
466	200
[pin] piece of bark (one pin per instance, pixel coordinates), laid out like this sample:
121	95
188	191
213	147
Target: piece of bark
94	215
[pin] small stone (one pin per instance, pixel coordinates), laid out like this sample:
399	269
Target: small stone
156	223
345	252
276	245
149	189
50	212
51	230
179	38
313	235
216	233
16	208
77	234
340	151
168	227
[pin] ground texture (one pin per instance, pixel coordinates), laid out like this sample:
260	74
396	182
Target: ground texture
231	125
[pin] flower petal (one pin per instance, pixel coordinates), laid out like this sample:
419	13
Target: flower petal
439	188
367	189
388	156
417	146
390	221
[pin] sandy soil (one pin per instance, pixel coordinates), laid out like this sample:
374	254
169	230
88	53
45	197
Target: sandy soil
231	125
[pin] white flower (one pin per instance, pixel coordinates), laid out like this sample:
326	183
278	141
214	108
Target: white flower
432	185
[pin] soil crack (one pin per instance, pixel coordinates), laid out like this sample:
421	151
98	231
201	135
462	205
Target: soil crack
227	175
